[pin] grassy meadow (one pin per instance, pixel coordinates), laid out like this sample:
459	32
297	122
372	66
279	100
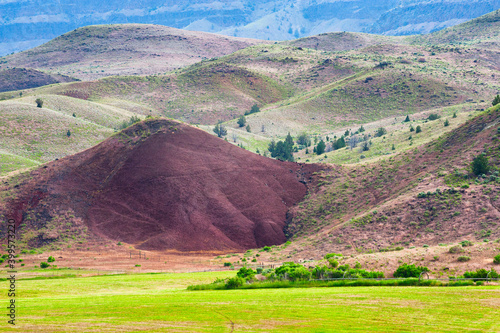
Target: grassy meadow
161	303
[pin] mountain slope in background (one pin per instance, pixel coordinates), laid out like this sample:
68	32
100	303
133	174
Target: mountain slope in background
28	24
130	49
21	78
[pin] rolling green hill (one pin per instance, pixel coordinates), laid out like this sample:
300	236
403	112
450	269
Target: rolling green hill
483	31
423	196
321	85
33	135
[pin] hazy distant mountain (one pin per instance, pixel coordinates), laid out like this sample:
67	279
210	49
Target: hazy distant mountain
28	23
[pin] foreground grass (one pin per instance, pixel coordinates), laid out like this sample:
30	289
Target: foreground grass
160	302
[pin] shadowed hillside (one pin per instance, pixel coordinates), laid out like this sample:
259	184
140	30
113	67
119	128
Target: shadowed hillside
22	78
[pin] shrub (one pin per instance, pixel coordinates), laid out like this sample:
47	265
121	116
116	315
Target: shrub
242	121
39	102
293	271
131	121
220	130
466	243
456	249
266	248
407	271
234	282
320	148
480	165
496	100
433	116
43	264
331	255
446	123
254	109
481	274
380	132
246	273
51	259
227	264
333	263
419	129
496	259
463	258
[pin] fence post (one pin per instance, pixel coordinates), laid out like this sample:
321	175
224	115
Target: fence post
421	275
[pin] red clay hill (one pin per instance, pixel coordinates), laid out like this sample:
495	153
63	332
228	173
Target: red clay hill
164	185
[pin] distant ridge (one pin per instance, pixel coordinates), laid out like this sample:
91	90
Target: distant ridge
126	49
28	24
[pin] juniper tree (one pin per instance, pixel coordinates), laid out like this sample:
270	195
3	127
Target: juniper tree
242	121
496	100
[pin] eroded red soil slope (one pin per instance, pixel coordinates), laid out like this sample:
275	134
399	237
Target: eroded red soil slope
165	185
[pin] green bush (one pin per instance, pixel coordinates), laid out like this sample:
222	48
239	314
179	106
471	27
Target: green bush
481	274
456	249
43	264
433	116
380	132
466	243
406	271
51	259
332	255
246	273
480	165
234	282
463	258
254	109
496	100
241	121
496	259
333	263
292	271
227	264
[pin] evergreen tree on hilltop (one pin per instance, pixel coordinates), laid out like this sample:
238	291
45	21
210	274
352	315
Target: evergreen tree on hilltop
282	150
320	148
496	100
242	121
220	130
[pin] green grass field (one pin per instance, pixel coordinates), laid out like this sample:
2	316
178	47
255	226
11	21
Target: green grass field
160	302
